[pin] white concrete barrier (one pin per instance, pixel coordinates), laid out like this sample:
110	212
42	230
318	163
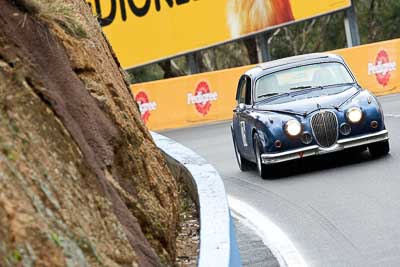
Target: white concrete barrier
218	245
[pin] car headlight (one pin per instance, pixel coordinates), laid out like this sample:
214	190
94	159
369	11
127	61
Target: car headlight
293	128
354	115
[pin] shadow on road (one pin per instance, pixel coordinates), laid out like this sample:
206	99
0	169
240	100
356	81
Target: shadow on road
320	163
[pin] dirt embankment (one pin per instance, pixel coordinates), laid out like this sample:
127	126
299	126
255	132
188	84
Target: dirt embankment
81	181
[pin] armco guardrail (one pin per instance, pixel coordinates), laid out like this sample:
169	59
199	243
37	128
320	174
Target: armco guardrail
209	97
218	245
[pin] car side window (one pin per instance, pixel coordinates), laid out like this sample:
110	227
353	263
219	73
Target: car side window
244	91
240	95
248	91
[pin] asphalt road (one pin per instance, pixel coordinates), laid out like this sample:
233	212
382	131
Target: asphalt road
338	210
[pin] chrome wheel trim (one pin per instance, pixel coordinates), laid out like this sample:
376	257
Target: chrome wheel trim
258	157
238	156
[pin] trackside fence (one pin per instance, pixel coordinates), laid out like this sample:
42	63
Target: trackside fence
210	97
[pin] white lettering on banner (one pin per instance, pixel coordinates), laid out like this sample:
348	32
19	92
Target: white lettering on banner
201	98
381	68
144	107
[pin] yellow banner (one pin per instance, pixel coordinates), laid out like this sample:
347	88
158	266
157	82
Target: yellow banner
188	100
210	97
375	65
143	31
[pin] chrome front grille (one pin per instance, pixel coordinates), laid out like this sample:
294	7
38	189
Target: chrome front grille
325	128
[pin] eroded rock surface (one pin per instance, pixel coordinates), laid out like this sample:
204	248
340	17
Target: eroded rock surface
81	181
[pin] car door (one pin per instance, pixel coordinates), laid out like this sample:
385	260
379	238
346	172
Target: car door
242	119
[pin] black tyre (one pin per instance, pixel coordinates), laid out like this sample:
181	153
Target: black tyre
261	168
244	164
379	149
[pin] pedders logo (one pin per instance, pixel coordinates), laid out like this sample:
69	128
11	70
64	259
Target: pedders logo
202	98
145	106
382	68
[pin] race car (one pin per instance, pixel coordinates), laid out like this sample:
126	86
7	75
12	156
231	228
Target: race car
303	106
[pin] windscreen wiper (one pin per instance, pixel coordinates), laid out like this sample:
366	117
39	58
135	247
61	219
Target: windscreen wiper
338	84
269	94
301	87
272	96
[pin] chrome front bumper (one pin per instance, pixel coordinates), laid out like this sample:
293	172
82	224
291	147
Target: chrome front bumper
272	158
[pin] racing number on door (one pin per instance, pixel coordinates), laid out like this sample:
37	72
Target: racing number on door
243	132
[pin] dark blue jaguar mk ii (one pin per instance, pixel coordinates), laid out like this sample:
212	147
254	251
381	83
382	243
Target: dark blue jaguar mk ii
303	106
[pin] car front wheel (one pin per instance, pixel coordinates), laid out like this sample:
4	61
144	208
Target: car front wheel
261	168
379	149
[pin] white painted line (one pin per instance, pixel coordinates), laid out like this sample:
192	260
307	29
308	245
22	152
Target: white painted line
392	115
272	236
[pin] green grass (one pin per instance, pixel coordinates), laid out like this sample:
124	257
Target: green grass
60	12
56	239
64	15
14	257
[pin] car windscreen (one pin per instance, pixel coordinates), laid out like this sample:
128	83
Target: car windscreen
300	78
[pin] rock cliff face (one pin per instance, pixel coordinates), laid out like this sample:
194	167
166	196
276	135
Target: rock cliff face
81	181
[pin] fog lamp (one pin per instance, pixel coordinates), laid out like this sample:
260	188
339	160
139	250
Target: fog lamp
306	138
345	129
